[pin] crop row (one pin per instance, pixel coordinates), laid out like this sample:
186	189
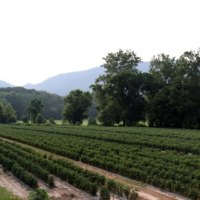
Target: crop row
42	166
171	170
152	137
18	171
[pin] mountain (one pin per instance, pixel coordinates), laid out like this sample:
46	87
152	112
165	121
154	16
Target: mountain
62	84
20	98
4	84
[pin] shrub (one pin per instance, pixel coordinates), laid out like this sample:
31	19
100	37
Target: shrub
40	119
52	121
92	121
51	181
38	194
25	120
104	194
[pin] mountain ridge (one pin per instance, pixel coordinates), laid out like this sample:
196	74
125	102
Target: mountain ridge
62	84
4	84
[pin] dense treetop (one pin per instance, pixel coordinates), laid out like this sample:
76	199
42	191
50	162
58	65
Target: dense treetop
77	103
166	96
20	99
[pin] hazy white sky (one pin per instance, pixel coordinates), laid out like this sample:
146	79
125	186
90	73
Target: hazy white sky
42	38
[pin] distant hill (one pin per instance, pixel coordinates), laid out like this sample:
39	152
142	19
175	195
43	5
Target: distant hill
4	84
62	84
20	99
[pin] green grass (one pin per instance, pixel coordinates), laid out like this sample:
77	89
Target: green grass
5	195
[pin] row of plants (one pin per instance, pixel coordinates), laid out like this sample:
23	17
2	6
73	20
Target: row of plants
17	156
149	137
66	170
18	171
170	170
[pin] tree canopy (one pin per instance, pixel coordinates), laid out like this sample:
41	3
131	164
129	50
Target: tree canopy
20	99
175	101
166	96
7	113
119	91
35	109
76	106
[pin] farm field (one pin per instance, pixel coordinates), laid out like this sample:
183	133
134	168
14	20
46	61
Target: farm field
165	158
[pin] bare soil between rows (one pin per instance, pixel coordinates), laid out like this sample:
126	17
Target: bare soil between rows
61	191
64	191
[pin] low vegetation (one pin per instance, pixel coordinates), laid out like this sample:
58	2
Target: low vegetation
29	166
166	158
5	195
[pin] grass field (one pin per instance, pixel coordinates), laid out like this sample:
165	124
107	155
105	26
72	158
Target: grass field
5	195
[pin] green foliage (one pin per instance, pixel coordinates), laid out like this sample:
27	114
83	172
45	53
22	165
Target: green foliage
173	100
166	158
20	99
40	119
7	113
121	61
167	96
38	194
76	105
25	119
5	195
92	121
104	194
35	108
51	181
118	92
52	121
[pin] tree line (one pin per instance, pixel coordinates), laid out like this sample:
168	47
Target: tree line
168	95
20	99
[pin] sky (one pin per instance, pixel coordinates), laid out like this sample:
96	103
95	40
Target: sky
43	38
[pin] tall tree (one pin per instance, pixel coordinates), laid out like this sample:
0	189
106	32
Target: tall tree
7	113
35	109
119	92
175	101
76	106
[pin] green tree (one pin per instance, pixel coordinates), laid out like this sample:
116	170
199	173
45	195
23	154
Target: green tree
40	119
174	101
76	105
25	119
119	92
7	113
35	109
20	99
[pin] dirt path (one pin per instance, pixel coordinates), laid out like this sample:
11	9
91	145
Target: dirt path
145	192
61	191
65	191
14	186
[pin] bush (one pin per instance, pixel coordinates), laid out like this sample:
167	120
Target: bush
92	121
104	194
25	119
40	119
52	121
38	194
51	181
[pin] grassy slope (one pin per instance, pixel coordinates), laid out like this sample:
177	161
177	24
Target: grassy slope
5	195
